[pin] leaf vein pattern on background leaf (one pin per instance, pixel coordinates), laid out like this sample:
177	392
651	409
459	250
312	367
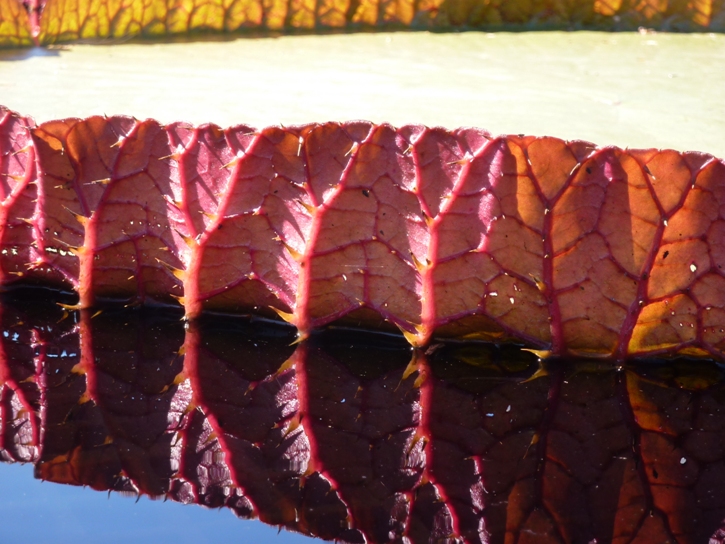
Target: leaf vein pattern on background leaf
44	22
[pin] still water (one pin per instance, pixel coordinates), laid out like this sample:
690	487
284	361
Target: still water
42	512
349	437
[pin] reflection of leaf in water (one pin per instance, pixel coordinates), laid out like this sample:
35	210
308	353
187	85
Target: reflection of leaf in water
693	375
585	453
475	355
482	367
497	360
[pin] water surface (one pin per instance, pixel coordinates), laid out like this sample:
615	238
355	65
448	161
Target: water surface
348	436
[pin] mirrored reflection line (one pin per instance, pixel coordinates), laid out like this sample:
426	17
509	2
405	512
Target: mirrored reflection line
192	347
86	365
540	443
624	383
9	388
89	369
38	377
315	464
405	394
427	396
6	423
182	476
42	381
419	367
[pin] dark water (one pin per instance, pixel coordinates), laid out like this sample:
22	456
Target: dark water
349	437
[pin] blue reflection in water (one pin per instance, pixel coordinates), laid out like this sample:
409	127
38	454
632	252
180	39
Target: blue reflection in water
40	512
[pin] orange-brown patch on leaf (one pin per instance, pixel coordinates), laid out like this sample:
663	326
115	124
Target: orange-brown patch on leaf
676	266
519	306
253	296
474	327
460	283
517	249
629	218
713	328
613	284
591	322
664	324
647	412
693	220
464	226
519	199
14	24
709	290
581	261
393	287
670	177
577	211
337	281
551	163
715	237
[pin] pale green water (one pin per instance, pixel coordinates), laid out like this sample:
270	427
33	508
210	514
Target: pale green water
628	89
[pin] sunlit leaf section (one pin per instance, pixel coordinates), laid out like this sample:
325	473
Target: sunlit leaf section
69	20
14	24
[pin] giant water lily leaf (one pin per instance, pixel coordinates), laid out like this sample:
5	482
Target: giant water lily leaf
564	246
15	28
467	444
51	21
